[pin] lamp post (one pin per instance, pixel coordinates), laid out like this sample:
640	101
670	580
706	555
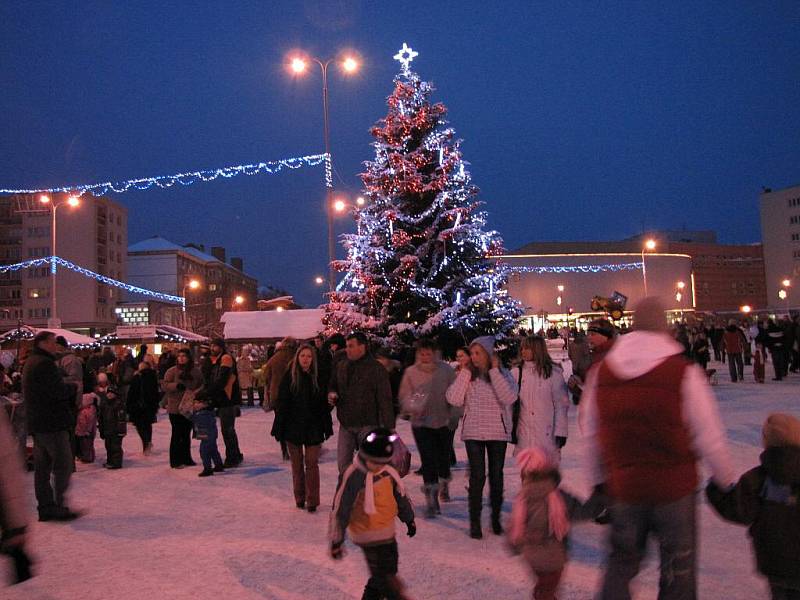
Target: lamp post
648	245
71	201
192	284
349	64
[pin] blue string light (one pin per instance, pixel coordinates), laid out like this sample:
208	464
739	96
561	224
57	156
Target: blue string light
167	181
608	268
52	261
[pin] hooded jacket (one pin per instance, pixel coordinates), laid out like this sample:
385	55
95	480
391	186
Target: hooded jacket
767	498
634	356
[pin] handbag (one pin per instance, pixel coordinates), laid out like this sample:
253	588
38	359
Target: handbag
415	404
516	408
401	457
186	406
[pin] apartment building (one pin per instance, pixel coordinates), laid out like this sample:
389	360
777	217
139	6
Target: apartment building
92	234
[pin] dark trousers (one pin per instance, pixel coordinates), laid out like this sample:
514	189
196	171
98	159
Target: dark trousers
85	448
305	473
717	355
674	526
250	398
261	395
144	427
781	592
735	366
52	458
205	425
546	584
227	422
477	452
434	452
779	363
114	450
180	441
795	362
383	581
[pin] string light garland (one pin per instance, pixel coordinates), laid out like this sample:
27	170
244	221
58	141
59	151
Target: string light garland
53	261
167	181
607	268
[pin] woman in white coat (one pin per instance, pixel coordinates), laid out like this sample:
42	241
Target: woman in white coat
544	402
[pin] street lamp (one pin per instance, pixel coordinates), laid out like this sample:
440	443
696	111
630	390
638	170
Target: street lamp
745	309
349	64
72	202
238	300
648	245
786	283
192	284
319	280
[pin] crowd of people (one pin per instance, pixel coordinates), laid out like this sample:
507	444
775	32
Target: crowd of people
646	411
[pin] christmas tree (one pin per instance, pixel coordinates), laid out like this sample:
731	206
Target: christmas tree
420	263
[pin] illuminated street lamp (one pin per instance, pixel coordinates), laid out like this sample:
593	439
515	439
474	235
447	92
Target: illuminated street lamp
745	309
360	201
786	283
319	280
239	300
192	284
298	64
72	202
339	205
648	245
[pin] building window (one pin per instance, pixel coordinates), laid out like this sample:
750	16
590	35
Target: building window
796	237
212	287
34	293
39	251
218	303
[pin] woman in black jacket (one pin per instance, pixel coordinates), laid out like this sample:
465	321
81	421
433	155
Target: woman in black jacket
303	421
142	404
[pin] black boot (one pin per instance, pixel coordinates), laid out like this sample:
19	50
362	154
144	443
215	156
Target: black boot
497	526
444	490
205	473
475	529
432	500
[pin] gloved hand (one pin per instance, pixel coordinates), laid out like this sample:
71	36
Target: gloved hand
561	441
600	501
337	552
412	529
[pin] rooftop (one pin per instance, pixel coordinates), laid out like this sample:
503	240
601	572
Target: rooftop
160	244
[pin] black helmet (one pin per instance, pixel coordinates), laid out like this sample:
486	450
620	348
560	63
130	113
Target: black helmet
378	445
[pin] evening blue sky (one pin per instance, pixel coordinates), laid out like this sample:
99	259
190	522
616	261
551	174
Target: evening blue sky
580	120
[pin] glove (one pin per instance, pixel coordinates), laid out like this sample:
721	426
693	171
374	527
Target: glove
180	387
600	499
337	553
412	529
561	441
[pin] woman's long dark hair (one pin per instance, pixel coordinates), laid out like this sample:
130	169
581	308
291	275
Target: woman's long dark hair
541	357
296	370
185	371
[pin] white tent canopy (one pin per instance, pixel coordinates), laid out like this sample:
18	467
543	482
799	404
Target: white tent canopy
73	339
272	324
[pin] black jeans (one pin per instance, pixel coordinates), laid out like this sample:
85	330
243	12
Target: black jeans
144	427
779	363
735	366
477	451
227	422
383	581
52	457
114	450
434	452
180	441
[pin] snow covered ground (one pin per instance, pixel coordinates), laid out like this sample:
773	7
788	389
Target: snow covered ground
157	533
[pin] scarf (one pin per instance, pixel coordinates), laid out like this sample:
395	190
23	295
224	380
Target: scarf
369	484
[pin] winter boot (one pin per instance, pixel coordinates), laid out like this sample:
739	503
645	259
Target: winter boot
497	526
205	473
475	529
444	490
432	500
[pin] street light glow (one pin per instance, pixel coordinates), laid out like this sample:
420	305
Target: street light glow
73	201
360	201
782	294
239	299
678	297
650	244
319	280
44	199
745	309
298	65
350	64
194	284
560	288
279	309
339	205
681	285
786	283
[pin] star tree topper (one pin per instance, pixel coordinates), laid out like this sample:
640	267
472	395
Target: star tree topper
405	56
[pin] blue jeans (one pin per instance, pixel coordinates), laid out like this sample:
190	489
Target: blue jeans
205	429
674	526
